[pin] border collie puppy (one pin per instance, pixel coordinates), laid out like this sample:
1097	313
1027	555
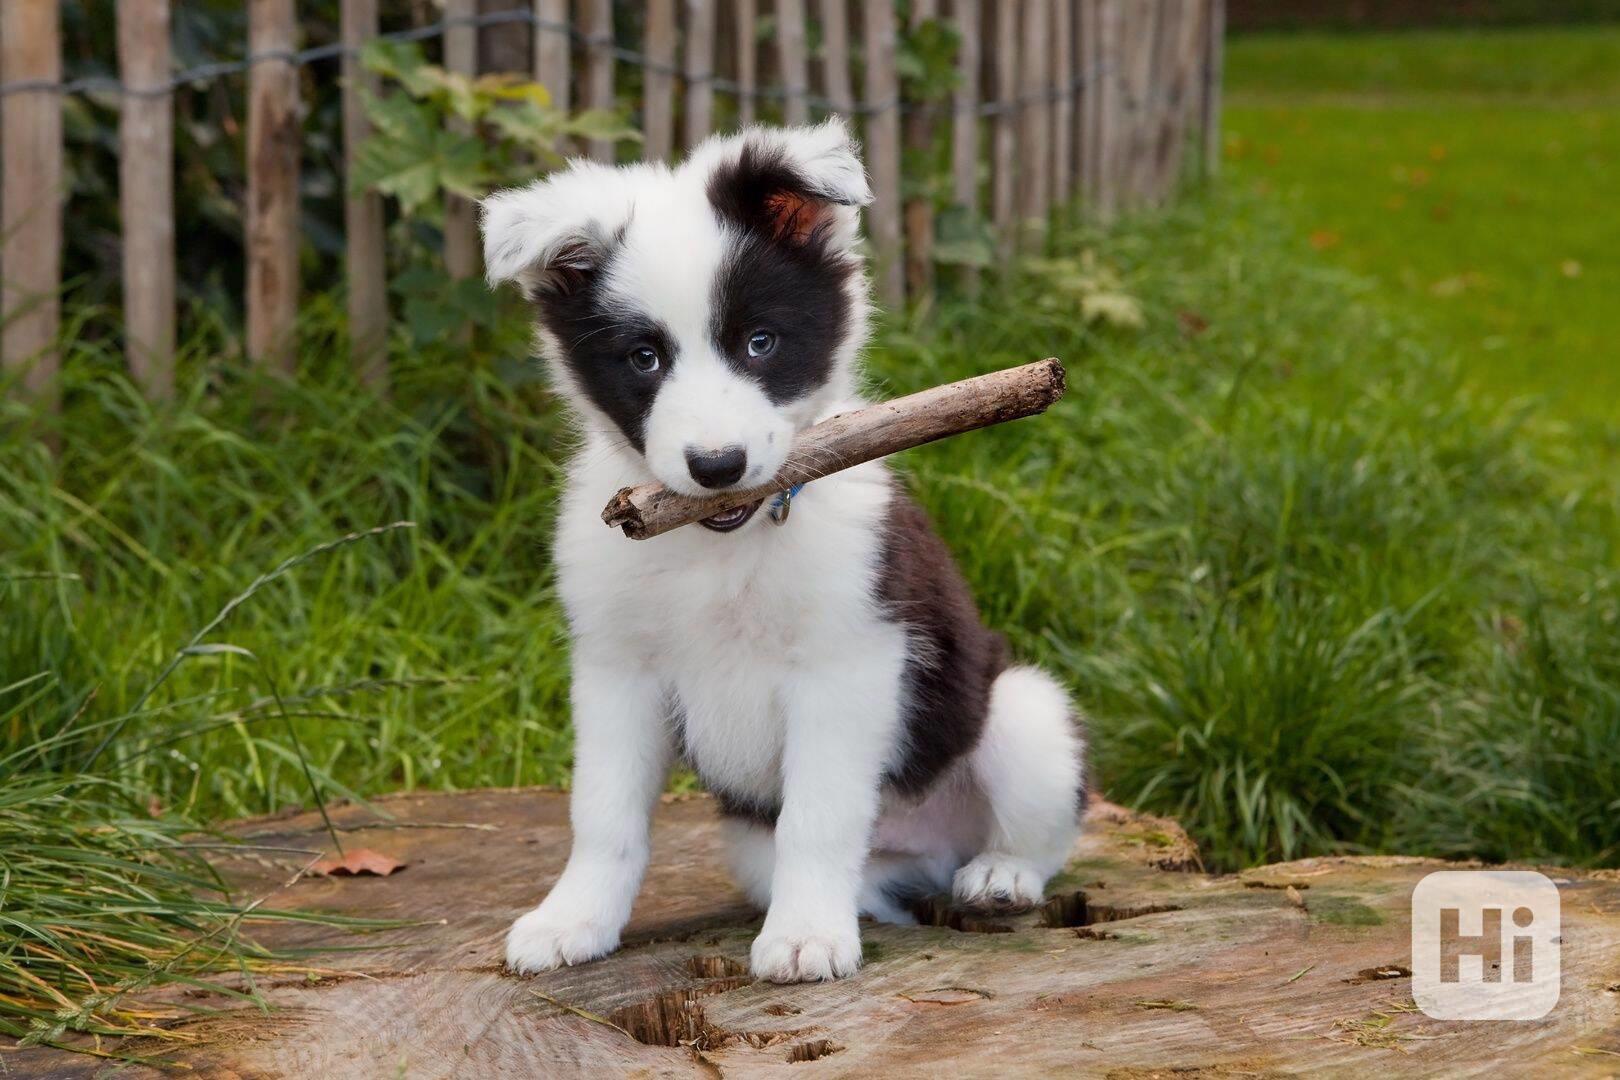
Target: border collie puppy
827	676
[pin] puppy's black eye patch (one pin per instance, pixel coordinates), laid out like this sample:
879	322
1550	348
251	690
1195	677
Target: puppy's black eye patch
617	357
780	315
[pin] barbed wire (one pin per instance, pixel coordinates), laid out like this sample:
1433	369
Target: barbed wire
205	73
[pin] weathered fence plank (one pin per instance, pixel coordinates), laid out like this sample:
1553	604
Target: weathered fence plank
883	148
747	17
146	194
793	61
965	148
1063	105
1209	121
919	208
597	23
503	46
1004	135
461	255
658	100
835	80
1141	24
31	179
553	67
272	227
365	264
1110	104
1035	127
699	70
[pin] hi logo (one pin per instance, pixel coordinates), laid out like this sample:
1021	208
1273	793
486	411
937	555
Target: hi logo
1485	945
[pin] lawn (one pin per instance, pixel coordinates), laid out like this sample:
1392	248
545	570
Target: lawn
1470	173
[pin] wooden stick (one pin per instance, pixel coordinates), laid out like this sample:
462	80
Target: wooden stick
852	438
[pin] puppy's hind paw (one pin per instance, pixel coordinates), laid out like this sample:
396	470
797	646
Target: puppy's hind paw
996	882
538	941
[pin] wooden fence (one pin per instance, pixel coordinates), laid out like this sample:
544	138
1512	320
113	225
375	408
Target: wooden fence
1092	104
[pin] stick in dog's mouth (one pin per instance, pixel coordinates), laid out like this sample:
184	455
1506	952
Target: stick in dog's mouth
850	439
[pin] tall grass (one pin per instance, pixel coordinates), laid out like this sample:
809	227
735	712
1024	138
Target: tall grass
1272	539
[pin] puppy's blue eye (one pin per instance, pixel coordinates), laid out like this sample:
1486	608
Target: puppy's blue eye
644	359
762	343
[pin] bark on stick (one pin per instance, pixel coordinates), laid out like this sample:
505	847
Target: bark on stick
851	438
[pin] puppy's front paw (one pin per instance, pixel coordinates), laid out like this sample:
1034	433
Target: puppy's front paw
995	882
805	954
540	941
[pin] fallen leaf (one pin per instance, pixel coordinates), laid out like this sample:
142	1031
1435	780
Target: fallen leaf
1323	239
1570	268
1437	152
1192	323
358	861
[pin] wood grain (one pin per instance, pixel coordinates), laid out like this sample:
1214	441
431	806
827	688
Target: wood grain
851	438
1262	987
365	257
882	92
274	141
146	194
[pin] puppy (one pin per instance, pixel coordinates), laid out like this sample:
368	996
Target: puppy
864	735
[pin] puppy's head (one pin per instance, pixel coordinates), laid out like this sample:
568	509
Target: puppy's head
706	313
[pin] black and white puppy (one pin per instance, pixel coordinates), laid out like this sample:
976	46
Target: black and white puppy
829	679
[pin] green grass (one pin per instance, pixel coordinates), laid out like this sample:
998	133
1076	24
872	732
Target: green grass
1316	592
1469	173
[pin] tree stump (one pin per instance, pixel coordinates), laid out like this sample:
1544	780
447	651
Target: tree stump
1138	965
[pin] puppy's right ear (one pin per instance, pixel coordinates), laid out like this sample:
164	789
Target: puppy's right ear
553	235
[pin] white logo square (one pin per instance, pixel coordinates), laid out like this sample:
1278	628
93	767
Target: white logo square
1485	945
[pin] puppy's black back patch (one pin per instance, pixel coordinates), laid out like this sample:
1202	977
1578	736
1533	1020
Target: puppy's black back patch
946	697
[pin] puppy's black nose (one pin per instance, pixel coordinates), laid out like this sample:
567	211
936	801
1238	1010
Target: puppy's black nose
717	468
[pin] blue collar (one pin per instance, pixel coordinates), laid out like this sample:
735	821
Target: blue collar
783	503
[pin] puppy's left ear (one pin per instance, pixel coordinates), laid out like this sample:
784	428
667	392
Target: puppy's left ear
795	186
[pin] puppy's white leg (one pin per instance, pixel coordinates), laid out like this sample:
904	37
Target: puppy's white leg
1029	764
841	725
622	754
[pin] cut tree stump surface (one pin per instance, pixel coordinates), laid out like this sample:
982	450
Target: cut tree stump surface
1138	966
